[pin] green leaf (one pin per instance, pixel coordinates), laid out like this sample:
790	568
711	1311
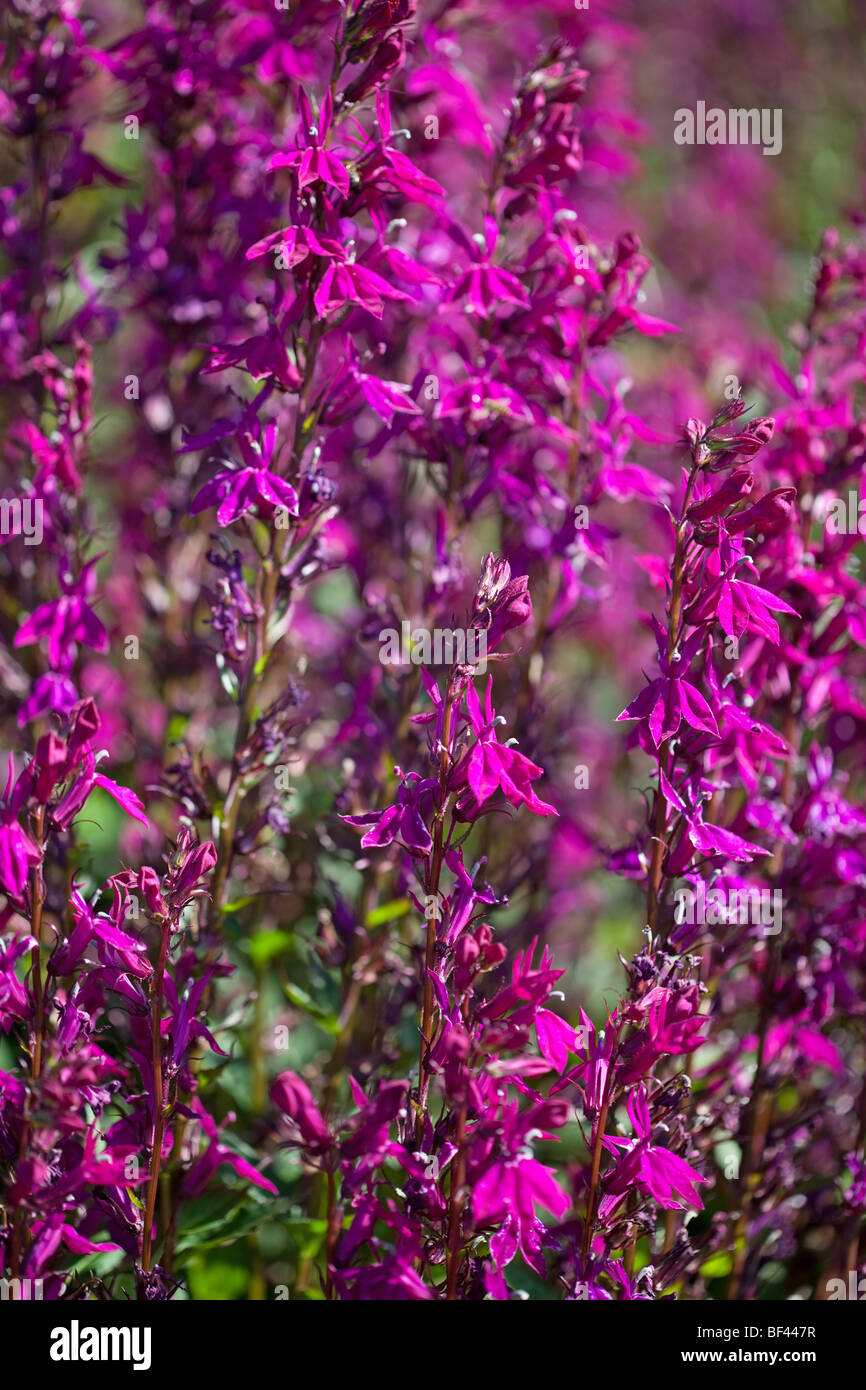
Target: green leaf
228	679
238	903
261	534
388	912
100	1263
312	1239
787	1099
221	1280
267	944
231	1223
300	997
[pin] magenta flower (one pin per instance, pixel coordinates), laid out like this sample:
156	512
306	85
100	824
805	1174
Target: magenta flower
14	996
491	766
347	282
386	398
669	1180
215	1154
237	491
312	162
52	694
381	164
671	699
18	855
65	622
123	950
671	1025
124	796
486	287
507	1190
82	783
294	1098
404	820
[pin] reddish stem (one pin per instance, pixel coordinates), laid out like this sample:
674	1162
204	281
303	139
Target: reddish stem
458	1197
654	877
594	1176
432	918
158	1100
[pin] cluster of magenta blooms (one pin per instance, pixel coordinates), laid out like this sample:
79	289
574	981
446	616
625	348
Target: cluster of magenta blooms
358	327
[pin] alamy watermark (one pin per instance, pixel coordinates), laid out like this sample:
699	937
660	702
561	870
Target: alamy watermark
855	1291
22	517
842	516
743	126
438	646
76	1343
715	907
21	1290
434	904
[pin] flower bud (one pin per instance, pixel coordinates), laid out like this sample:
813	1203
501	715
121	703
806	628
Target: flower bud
738	484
